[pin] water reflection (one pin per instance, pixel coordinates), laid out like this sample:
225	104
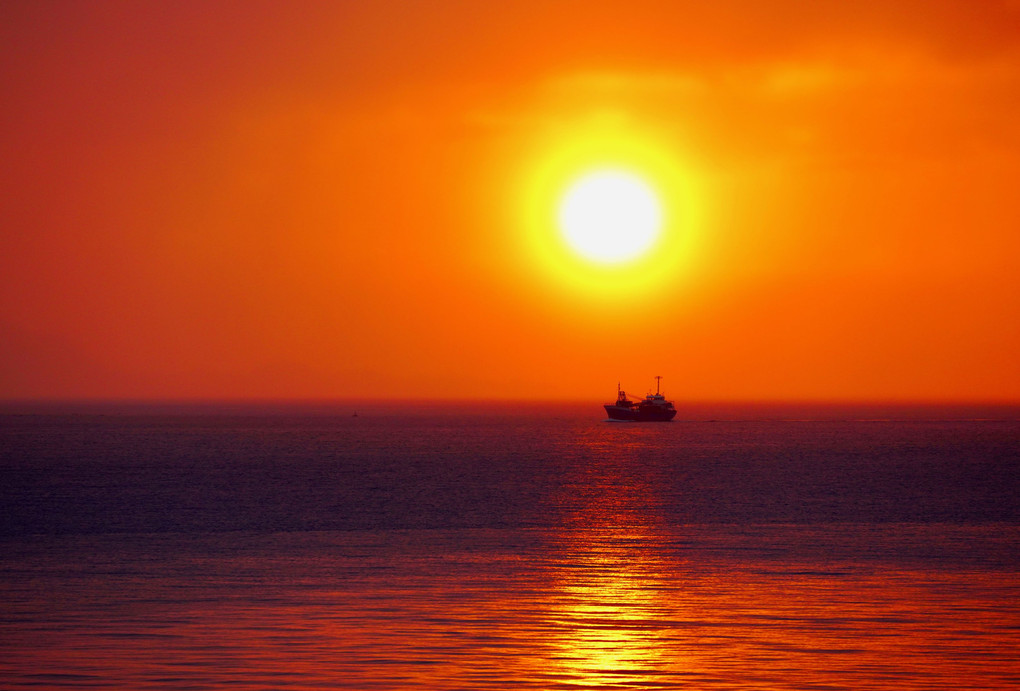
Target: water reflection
587	606
613	597
639	600
605	582
612	611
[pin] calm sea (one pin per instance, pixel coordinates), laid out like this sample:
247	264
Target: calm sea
497	547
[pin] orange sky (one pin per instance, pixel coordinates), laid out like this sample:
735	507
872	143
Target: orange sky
246	199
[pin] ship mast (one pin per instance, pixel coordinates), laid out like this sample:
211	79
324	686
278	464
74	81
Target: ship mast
657	378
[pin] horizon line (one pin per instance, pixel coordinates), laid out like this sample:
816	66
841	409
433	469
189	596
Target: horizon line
330	400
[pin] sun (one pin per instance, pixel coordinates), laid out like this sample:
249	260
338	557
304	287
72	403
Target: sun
605	210
610	216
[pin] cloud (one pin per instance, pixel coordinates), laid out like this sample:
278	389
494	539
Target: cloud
622	83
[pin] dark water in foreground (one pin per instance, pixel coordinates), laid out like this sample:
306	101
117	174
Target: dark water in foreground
501	547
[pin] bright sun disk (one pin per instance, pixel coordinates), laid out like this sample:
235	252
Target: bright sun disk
610	216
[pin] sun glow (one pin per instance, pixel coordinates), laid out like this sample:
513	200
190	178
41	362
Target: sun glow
610	216
608	212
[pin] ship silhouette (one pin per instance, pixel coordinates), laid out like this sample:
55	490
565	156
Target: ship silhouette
654	407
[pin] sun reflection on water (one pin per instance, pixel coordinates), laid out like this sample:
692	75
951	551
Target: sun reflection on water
613	596
612	613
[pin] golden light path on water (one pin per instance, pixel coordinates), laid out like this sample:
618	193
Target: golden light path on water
611	612
612	605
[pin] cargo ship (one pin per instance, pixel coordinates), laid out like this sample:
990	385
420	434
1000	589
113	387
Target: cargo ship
654	407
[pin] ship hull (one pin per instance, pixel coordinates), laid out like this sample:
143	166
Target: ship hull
616	412
640	414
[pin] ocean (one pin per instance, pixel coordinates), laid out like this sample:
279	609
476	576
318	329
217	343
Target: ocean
498	546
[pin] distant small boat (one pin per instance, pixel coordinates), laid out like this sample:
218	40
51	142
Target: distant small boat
654	407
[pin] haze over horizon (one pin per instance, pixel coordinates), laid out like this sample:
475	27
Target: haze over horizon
259	200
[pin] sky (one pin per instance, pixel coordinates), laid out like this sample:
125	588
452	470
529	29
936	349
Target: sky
210	200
